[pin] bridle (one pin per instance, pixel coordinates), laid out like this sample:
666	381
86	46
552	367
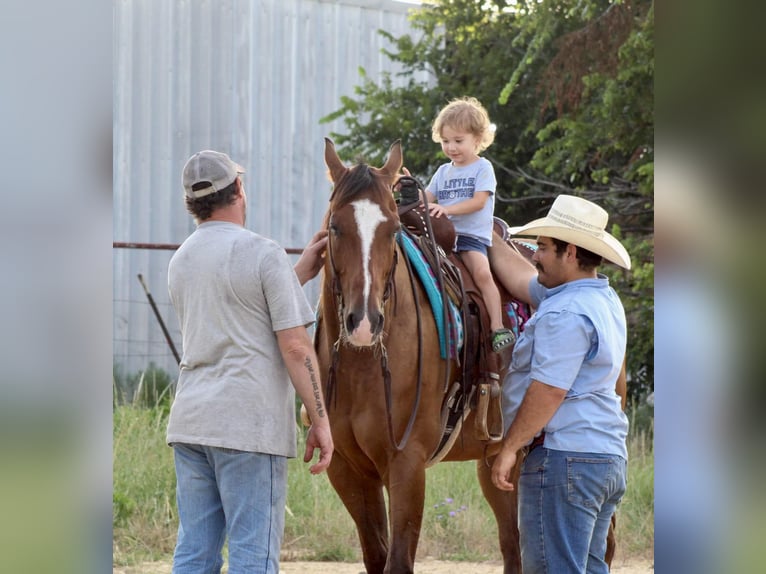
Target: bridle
338	292
380	348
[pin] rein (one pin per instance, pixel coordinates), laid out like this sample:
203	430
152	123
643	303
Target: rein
387	375
442	289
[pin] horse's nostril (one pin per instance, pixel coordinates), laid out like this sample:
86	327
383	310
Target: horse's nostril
377	323
351	323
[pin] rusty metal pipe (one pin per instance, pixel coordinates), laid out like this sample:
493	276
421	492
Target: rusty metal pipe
174	246
159	318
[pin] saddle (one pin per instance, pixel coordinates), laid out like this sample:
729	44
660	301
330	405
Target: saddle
482	371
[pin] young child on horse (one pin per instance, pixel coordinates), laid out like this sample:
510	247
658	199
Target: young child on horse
464	188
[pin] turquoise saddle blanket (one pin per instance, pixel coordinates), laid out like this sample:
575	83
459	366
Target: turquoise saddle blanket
428	280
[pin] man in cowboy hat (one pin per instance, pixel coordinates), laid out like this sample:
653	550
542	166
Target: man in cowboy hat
559	396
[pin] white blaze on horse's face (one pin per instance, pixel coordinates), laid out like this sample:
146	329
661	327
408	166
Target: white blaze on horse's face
368	216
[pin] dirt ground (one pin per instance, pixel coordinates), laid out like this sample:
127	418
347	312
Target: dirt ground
424	566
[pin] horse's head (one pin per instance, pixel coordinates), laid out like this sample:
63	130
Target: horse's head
363	222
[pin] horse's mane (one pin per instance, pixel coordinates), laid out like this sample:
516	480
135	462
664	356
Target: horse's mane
358	178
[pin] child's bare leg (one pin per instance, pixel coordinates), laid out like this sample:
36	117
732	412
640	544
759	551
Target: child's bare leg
478	265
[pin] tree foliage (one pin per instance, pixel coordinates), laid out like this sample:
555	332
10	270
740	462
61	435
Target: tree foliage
569	85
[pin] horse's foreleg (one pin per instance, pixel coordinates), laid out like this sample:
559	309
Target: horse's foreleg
406	492
504	507
362	495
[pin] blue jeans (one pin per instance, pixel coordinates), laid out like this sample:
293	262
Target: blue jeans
566	500
224	492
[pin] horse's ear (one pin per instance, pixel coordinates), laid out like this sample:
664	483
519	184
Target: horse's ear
394	162
337	168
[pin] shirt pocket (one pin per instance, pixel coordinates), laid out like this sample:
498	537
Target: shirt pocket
521	359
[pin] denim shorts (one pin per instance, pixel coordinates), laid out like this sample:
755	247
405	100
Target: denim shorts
468	243
566	501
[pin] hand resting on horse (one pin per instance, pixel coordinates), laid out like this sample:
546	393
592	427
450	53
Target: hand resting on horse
312	258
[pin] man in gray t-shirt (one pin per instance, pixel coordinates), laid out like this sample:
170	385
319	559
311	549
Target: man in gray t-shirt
246	350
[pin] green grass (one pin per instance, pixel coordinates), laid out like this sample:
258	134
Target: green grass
317	526
143	492
635	515
457	522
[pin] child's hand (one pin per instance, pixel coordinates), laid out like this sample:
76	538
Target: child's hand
436	210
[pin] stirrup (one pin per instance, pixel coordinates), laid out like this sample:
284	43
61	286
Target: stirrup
501	339
488	421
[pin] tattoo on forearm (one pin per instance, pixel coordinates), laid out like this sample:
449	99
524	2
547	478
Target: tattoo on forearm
315	387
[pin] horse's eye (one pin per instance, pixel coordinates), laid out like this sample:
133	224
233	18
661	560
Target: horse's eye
334	230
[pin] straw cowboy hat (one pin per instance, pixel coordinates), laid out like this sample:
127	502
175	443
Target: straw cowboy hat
580	222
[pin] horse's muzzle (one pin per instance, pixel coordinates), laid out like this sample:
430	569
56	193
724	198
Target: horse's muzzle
363	329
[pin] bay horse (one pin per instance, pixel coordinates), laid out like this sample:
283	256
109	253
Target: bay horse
384	384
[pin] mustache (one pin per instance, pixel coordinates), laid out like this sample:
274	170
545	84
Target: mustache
539	267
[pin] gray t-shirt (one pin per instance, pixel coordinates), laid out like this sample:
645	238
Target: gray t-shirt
451	184
232	289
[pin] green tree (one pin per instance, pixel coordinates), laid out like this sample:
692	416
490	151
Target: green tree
569	84
599	143
457	48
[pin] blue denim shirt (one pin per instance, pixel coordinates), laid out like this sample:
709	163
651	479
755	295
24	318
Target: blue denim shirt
575	341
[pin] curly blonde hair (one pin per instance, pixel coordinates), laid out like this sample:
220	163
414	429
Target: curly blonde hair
465	114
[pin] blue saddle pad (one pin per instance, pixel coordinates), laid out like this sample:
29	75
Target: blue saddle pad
428	280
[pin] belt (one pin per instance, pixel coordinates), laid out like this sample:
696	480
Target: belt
537	441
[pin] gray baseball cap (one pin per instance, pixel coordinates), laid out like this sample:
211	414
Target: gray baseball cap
211	167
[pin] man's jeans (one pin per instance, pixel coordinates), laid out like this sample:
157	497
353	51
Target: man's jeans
566	500
223	491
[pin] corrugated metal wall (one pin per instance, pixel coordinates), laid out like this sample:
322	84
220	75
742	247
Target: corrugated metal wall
250	78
